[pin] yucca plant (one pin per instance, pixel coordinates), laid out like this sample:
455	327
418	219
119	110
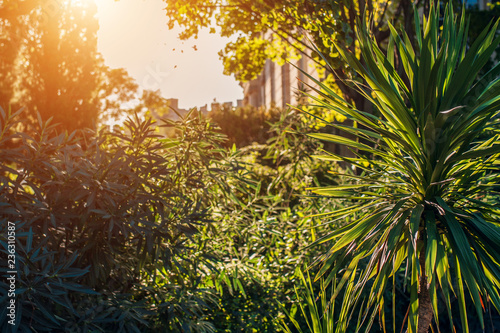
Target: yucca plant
427	156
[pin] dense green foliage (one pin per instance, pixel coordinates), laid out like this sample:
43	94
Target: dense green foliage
214	228
129	231
246	125
265	231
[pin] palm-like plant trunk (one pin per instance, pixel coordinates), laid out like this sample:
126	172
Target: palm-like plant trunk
425	313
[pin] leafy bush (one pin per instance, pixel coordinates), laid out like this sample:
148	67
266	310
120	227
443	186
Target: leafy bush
129	231
104	225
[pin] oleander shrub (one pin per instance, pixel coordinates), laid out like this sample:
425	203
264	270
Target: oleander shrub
105	224
129	231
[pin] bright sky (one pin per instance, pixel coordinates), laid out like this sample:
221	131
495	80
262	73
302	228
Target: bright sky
133	35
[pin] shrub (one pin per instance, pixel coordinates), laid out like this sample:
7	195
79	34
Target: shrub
104	225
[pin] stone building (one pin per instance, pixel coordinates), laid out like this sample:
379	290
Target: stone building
278	85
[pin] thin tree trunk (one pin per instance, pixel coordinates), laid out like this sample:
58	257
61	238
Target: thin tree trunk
425	313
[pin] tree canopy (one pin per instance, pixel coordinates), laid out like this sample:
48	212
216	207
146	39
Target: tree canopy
283	30
50	65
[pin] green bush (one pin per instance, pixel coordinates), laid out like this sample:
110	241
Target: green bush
104	225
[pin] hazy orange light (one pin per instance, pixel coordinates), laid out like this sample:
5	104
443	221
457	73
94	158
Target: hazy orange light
79	2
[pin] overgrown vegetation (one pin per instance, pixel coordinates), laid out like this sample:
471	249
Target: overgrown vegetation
129	231
215	229
245	125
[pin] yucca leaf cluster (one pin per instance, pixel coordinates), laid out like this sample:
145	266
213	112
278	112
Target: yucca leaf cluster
423	199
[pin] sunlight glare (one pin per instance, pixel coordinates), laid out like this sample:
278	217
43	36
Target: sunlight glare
83	2
77	2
